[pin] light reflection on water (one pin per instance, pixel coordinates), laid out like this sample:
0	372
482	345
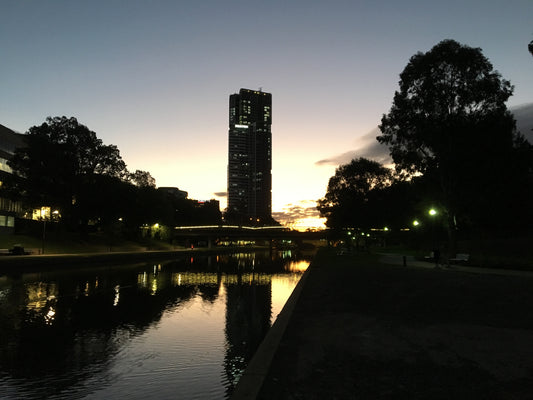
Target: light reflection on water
183	329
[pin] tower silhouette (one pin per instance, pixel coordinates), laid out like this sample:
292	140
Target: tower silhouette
250	158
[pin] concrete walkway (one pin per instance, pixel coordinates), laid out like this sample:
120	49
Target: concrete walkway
410	261
366	327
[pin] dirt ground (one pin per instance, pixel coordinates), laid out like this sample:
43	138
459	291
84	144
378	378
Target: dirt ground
366	330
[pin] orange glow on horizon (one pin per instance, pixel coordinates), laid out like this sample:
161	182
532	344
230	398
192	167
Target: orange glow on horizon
303	224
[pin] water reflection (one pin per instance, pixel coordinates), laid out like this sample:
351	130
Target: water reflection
297	266
189	324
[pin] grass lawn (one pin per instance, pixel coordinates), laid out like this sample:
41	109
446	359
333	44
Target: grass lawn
72	244
508	253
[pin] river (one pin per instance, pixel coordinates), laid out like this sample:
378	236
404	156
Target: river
181	329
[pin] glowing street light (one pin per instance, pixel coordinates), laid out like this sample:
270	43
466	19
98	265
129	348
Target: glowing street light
416	223
432	212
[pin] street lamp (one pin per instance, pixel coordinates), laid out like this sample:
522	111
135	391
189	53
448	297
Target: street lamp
43	218
436	252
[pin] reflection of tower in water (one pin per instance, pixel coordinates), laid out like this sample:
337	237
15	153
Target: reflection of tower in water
248	313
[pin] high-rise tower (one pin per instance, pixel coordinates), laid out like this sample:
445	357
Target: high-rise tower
250	158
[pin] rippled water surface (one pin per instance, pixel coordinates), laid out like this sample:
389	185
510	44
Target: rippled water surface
183	329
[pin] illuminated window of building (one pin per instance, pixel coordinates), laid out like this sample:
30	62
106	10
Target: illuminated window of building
4	166
41	213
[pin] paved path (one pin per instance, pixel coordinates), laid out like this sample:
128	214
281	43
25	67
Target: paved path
369	329
410	261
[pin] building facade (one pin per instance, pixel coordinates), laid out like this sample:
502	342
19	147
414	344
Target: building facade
250	158
9	209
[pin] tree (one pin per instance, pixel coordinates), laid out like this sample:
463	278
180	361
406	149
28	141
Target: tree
449	121
352	194
58	165
142	179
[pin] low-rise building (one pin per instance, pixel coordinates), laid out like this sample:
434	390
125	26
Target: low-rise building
9	209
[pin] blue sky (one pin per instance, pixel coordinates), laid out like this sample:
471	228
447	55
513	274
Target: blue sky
154	77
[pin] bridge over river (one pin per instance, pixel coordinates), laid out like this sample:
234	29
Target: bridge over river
232	233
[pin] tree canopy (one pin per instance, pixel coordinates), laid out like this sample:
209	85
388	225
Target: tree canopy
448	97
142	179
58	155
64	165
450	122
351	195
455	148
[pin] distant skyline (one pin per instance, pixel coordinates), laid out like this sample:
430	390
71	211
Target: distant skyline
154	77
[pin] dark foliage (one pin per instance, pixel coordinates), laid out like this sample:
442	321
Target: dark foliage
62	165
354	194
141	179
65	166
455	148
449	122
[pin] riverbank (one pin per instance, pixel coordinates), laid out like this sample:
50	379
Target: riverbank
31	262
74	243
369	330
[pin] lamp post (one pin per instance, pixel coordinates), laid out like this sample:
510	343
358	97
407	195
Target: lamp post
432	213
436	251
43	217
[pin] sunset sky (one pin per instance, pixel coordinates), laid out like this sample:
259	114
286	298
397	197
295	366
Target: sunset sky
154	77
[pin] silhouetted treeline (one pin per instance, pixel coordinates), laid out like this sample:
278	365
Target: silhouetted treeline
64	166
455	149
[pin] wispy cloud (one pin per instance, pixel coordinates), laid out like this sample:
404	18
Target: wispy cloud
368	147
524	120
305	209
220	194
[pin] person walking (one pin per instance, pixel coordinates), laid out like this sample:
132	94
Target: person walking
436	256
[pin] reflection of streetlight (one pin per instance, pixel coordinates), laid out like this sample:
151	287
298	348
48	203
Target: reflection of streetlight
43	217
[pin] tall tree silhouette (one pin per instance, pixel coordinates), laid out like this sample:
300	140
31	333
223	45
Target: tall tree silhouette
58	163
351	199
449	121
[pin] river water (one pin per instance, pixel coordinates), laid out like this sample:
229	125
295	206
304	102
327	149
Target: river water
182	329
